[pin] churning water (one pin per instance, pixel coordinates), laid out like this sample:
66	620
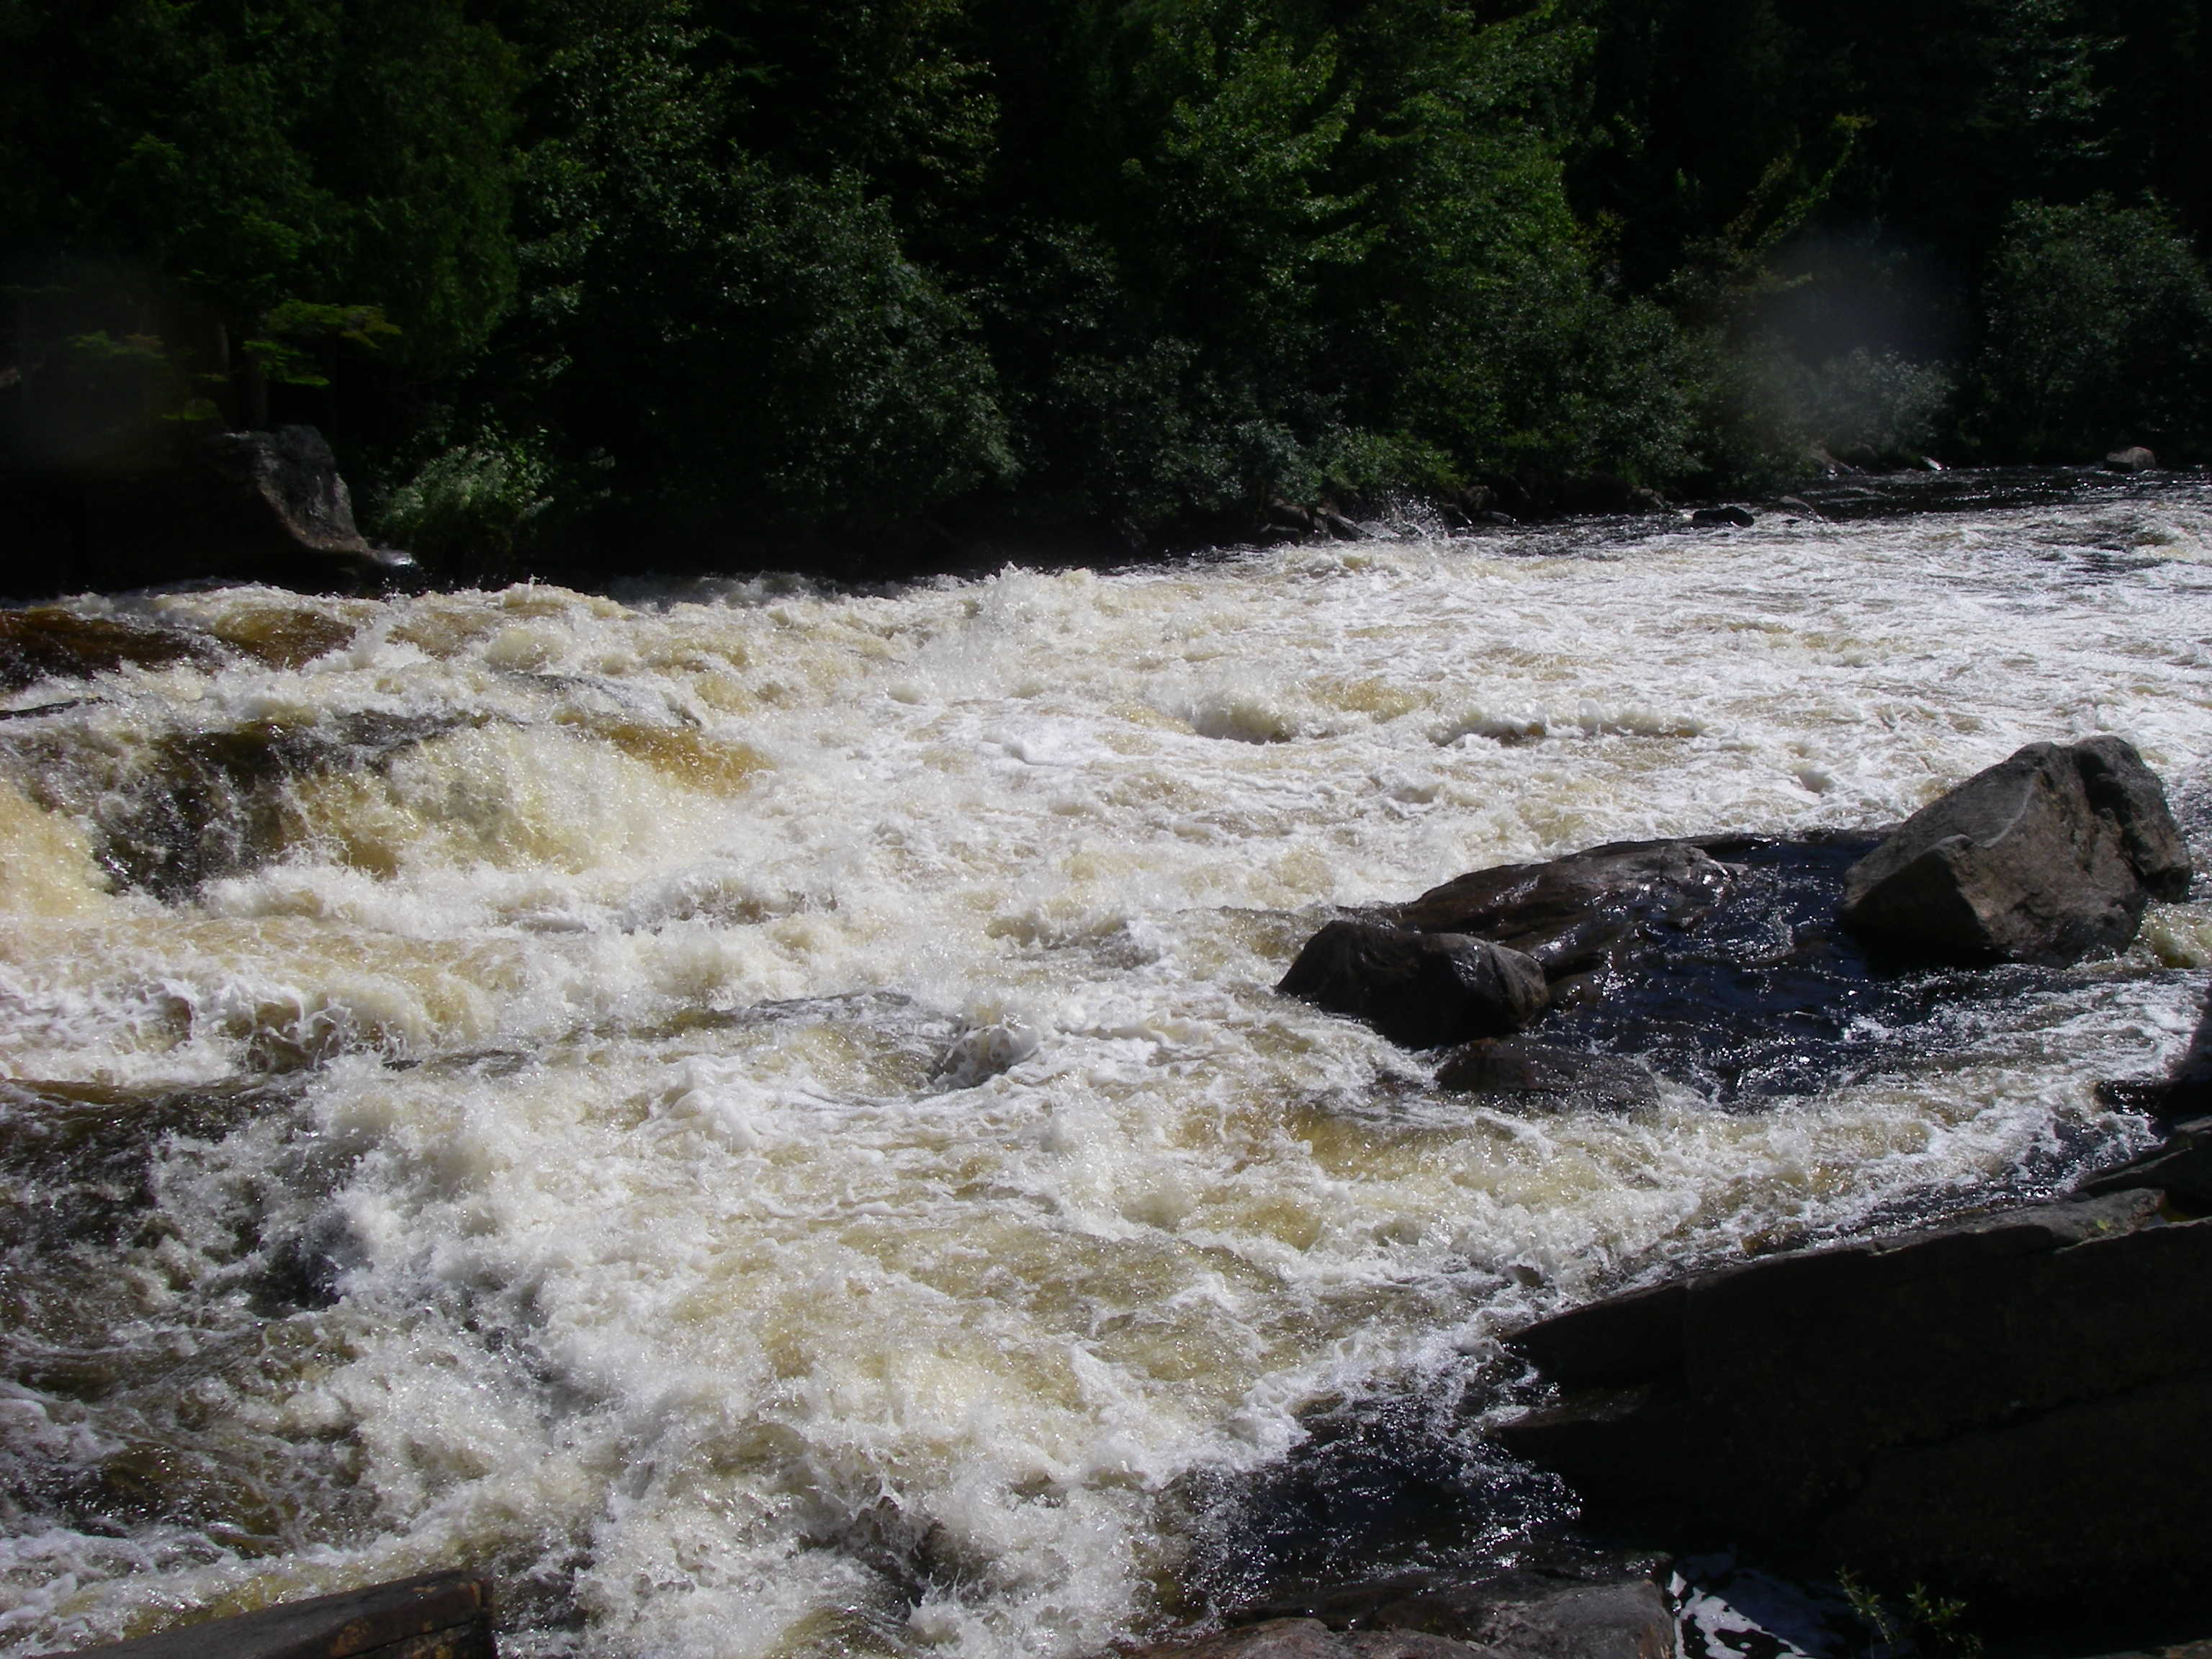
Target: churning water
757	1113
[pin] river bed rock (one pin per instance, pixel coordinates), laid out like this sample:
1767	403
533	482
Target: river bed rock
1527	1614
2049	856
1528	1074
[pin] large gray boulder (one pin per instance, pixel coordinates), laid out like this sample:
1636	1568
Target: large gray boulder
1422	990
2048	857
2000	1408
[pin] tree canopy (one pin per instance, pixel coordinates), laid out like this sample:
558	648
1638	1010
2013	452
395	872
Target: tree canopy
613	273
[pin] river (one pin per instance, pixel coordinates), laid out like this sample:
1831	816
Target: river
758	1112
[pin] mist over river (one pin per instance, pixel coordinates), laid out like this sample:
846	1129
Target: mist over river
757	1113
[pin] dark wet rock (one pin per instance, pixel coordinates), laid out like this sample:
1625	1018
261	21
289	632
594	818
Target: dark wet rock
2049	856
1993	1406
1583	917
1614	1611
1532	1074
266	507
1422	989
286	483
2133	458
1723	518
50	642
1338	525
1800	506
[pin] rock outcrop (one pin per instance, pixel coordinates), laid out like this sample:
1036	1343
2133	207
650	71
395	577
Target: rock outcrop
2132	458
1998	1407
1420	990
2048	857
250	506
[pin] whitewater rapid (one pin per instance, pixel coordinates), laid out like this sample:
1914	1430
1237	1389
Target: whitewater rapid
758	1112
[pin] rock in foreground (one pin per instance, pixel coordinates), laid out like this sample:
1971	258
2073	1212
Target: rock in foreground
2004	1408
442	1615
1422	990
2047	857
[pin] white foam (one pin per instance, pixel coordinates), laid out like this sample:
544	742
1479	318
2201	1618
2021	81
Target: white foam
890	1323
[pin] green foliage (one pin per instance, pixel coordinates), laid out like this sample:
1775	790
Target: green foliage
230	179
2098	333
474	506
1927	1623
747	267
741	342
292	329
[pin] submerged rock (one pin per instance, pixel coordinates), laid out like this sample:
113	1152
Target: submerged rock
2049	856
1309	1639
1532	1074
1993	1406
47	642
1420	990
1538	1613
1723	518
1521	1615
449	1614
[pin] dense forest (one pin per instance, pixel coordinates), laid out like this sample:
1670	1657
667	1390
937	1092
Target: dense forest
609	274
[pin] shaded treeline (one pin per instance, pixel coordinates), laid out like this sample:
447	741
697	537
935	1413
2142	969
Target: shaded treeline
598	274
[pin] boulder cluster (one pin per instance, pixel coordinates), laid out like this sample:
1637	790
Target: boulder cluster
2011	1408
2049	857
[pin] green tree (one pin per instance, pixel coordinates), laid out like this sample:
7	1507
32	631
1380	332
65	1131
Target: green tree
2098	333
736	342
247	185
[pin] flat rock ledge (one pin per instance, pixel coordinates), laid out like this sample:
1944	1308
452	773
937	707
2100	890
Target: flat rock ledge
2013	1409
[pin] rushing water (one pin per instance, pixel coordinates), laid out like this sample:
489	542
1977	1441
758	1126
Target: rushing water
758	1113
